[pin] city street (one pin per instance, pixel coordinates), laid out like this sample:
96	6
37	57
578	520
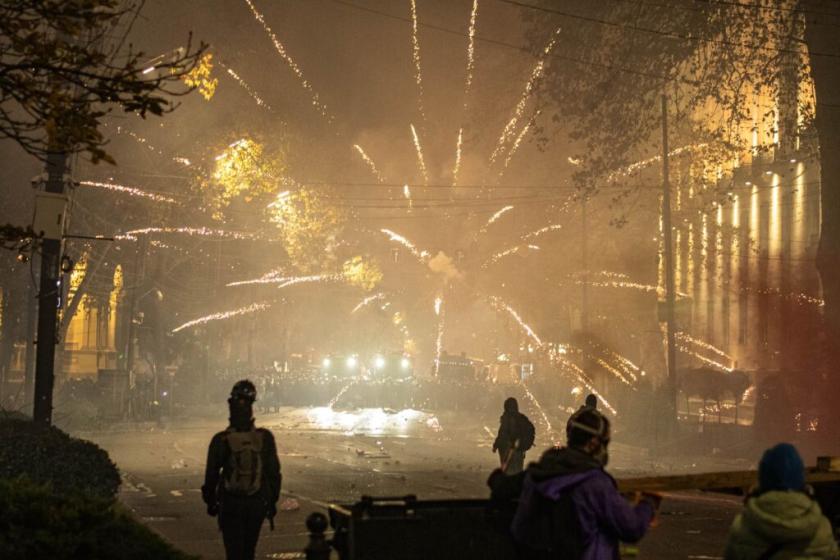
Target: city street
337	456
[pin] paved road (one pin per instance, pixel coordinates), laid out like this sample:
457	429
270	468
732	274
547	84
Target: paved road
333	456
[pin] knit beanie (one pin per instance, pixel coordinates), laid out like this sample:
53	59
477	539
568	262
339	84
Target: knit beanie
781	468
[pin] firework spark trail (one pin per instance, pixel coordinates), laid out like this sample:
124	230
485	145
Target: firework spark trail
625	171
536	75
133	191
284	281
281	50
343	390
498	303
536	404
603	363
370	164
422	256
470	54
507	252
704	359
552	227
441	313
420	160
244	85
685	337
522	134
586	382
192	231
457	158
415	53
253	308
498	214
368	300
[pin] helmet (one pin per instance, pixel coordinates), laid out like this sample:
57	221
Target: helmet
244	390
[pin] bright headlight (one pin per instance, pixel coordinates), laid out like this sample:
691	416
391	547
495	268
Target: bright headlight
327	362
379	362
404	363
351	362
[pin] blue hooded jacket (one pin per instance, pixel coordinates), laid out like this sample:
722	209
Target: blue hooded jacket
604	516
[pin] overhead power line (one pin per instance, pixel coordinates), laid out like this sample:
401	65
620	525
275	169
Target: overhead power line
659	32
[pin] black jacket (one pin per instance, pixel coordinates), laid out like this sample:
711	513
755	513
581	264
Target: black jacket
511	429
217	463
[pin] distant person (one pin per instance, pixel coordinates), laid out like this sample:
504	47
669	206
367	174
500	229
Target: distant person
242	479
780	518
515	437
568	506
590	402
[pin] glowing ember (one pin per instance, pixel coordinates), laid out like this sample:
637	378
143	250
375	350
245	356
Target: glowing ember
253	308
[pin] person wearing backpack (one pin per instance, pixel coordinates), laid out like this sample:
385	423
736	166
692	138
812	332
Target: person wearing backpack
781	520
242	478
515	437
568	507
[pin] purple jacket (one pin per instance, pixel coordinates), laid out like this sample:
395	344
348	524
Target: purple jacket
604	516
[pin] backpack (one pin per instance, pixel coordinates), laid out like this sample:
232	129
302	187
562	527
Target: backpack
243	472
527	433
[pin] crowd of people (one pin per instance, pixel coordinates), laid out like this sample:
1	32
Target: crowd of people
564	506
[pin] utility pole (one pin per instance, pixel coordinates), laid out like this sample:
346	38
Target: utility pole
669	263
48	301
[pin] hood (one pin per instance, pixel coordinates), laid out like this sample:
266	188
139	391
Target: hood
560	469
779	516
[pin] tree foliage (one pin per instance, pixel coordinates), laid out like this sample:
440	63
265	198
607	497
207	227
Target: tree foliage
61	73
